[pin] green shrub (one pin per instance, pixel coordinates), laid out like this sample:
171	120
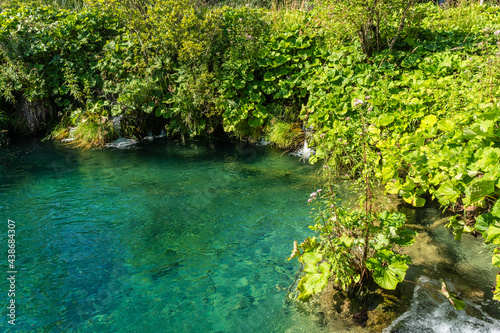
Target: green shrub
49	57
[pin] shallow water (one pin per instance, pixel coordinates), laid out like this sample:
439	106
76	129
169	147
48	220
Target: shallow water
193	238
464	266
156	238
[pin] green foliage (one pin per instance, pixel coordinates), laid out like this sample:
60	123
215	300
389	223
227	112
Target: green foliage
61	4
131	82
3	127
192	110
431	118
316	274
355	247
268	81
358	245
378	24
496	292
49	56
388	268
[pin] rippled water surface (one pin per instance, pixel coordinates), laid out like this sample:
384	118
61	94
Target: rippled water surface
157	238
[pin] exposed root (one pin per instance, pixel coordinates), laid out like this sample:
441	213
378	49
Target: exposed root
33	116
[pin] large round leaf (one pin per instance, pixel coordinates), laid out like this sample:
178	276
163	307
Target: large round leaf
388	268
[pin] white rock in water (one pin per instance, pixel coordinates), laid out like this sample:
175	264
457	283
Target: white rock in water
263	142
122	143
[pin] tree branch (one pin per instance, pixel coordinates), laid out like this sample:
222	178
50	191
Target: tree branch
401	25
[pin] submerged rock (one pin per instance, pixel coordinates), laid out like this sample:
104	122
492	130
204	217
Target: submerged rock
339	311
371	312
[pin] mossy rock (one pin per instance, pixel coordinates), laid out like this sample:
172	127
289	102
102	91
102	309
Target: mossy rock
372	312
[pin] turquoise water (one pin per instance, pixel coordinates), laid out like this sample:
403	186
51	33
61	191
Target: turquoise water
156	238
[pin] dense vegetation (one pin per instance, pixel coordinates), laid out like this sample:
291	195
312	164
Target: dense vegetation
395	92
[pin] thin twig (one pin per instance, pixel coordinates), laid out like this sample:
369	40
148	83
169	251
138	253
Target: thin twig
401	25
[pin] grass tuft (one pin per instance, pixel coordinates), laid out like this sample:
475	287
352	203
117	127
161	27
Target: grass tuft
285	135
94	133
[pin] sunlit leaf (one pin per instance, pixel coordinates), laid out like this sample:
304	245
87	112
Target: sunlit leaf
496	292
395	220
483	222
493	233
309	244
428	121
477	190
314	281
385	119
495	259
495	210
268	76
446	193
413	199
446	125
311	258
388	268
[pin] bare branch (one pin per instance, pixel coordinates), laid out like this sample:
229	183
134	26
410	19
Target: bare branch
401	24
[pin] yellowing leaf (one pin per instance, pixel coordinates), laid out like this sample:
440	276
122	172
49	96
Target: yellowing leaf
496	293
296	251
428	121
495	260
385	119
493	234
314	282
446	125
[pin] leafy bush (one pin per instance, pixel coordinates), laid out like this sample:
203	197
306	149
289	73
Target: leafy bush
269	83
49	58
378	24
431	115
